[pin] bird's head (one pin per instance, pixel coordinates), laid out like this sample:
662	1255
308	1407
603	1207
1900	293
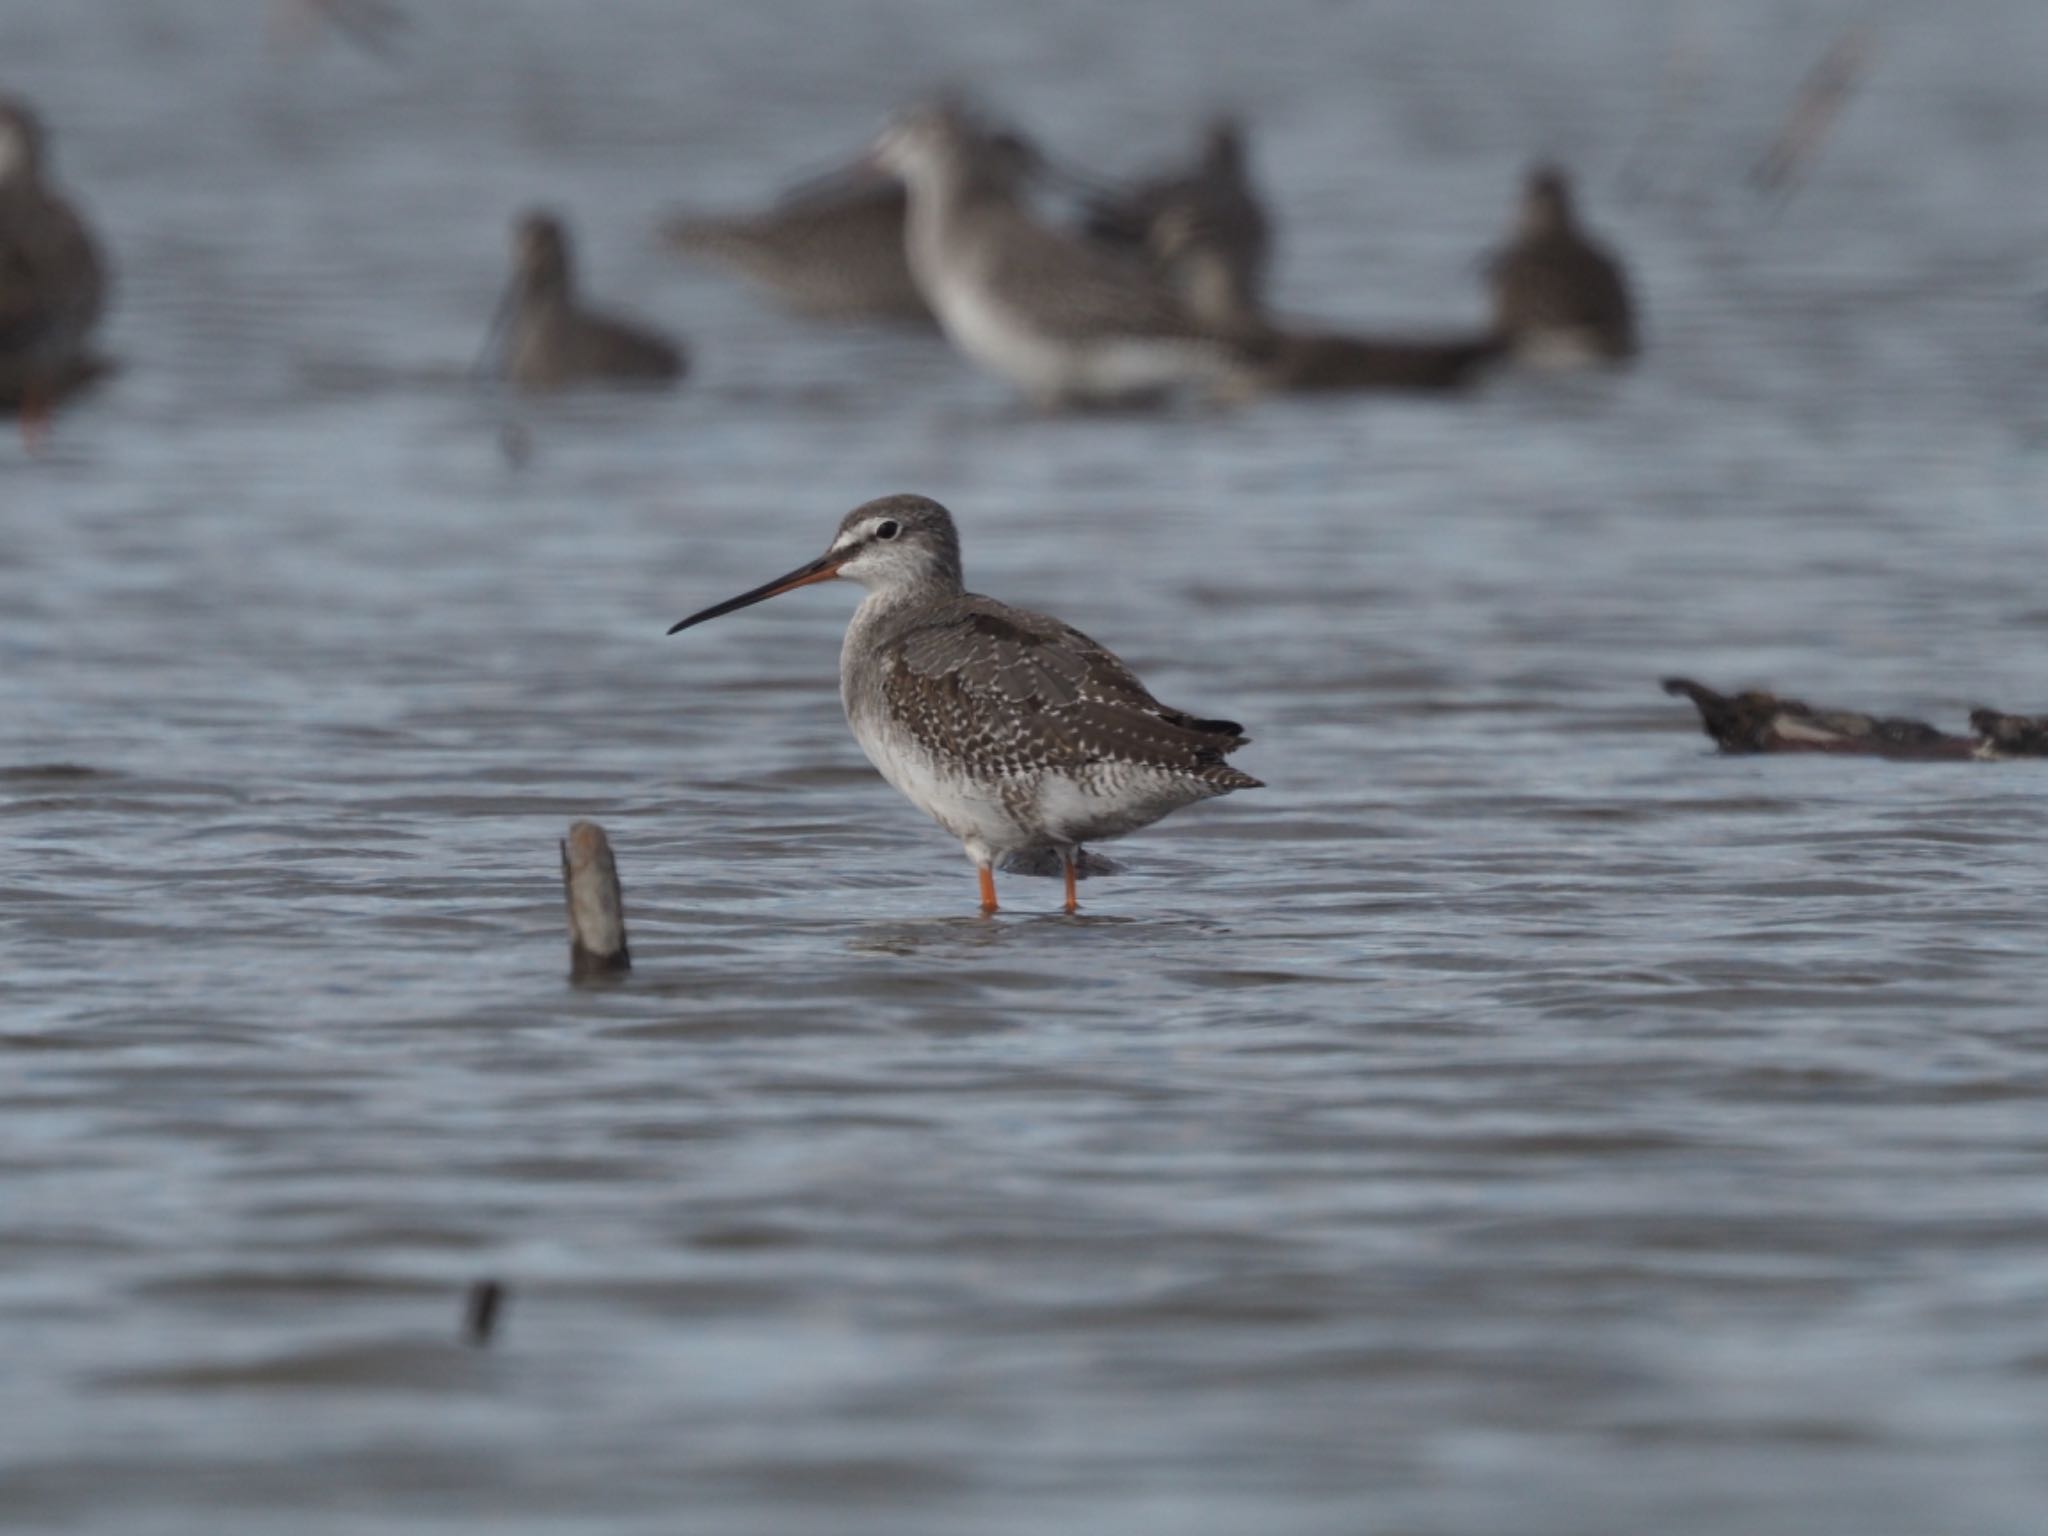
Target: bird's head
894	543
540	251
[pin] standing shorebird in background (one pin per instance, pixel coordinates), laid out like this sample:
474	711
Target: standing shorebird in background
1211	206
1064	320
549	341
1016	733
53	284
1559	296
833	248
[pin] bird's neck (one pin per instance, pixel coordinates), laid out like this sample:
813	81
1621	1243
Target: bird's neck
941	195
886	610
1547	221
546	290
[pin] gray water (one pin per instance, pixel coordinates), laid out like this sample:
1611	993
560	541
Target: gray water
1515	1119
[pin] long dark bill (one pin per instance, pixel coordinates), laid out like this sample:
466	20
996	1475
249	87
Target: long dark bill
824	568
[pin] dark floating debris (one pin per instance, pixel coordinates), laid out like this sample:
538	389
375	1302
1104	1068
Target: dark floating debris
55	771
480	1311
1756	721
597	908
2003	735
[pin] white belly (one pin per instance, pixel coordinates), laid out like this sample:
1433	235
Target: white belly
1104	367
974	811
996	818
989	334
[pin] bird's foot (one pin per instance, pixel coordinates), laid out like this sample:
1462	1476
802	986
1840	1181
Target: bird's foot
988	890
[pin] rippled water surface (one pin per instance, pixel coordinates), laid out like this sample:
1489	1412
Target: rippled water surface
1515	1119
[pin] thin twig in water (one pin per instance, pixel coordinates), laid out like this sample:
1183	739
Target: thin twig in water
480	1309
1822	95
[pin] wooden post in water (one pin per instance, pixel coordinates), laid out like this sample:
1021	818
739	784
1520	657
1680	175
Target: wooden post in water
597	908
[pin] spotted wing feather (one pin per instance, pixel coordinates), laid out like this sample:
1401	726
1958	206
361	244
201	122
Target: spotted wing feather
1022	693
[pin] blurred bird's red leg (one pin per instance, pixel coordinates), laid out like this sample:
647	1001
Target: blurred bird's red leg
1073	863
988	890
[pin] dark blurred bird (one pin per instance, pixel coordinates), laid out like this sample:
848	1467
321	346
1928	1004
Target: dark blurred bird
1210	205
1063	319
53	283
547	340
1559	296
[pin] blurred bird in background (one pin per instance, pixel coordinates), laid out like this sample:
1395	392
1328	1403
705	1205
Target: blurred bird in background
1560	298
53	280
545	339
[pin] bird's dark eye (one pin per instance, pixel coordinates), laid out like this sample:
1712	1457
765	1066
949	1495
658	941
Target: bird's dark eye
888	530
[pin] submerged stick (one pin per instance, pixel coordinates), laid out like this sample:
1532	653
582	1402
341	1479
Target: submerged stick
480	1310
597	907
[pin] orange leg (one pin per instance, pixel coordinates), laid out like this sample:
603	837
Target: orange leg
1073	873
988	891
